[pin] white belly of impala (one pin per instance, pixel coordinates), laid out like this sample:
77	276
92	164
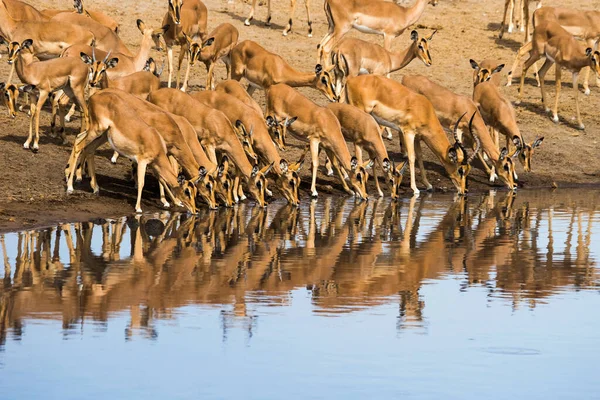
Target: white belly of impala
365	29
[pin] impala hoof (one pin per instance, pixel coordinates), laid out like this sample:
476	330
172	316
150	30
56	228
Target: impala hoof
330	172
493	178
97	191
581	127
68	118
26	145
166	204
314	194
70	191
243	197
247	22
429	188
310	35
138	210
517	102
285	33
35	149
587	92
555	119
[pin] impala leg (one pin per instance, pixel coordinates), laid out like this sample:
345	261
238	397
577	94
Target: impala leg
503	25
61	118
182	54
114	157
236	183
307	5
410	148
31	121
170	64
336	166
141	175
576	89
251	15
526	48
328	166
511	12
379	191
163	200
526	67
186	77
288	27
38	109
419	154
240	189
227	61
70	114
210	76
268	23
314	154
543	71
558	85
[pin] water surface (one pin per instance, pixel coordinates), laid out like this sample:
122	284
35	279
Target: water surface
492	296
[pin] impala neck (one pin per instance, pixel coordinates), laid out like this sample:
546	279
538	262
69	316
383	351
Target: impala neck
268	152
439	145
21	63
300	79
142	55
105	83
237	155
414	13
402	58
487	144
579	61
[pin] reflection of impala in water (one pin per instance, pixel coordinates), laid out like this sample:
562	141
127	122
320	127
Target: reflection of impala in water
350	254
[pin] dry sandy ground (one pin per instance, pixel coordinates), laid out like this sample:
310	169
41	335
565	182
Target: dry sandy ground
32	191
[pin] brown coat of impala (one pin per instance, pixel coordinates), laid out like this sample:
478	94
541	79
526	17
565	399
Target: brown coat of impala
113	120
449	106
236	89
320	128
397	107
263	69
377	17
215	132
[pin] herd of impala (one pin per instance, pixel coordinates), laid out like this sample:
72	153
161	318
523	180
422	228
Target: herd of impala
211	145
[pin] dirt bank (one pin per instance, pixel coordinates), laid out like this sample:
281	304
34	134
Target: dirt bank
32	188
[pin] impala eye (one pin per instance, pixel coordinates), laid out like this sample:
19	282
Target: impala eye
187	192
324	81
506	168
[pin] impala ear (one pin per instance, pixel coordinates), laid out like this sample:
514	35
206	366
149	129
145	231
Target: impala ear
140	24
181	179
202	171
27	43
254	170
498	69
503	153
113	62
588	51
270	121
290	121
165	28
414	35
208	42
537	142
3	40
318	69
517	142
266	169
2	85
453	155
27	89
85	58
474	64
353	163
283	166
400	169
387	165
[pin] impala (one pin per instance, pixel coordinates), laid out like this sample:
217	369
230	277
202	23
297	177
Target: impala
263	69
378	17
288	27
397	107
320	128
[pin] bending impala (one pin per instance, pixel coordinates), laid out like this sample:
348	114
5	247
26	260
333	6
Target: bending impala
378	17
217	47
189	19
499	114
113	120
236	89
353	57
552	41
448	108
235	111
68	74
263	69
395	106
215	132
361	129
319	127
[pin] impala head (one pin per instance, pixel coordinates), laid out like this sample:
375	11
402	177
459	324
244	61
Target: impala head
422	44
527	152
358	177
278	130
393	175
460	162
78	5
199	51
481	75
505	167
155	34
186	193
224	183
175	10
97	68
289	180
14	48
324	81
257	184
341	72
247	139
10	94
594	57
205	186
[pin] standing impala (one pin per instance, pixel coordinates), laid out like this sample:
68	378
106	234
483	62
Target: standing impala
112	120
189	19
69	74
353	57
319	127
368	16
263	69
499	114
235	111
449	107
393	105
552	41
215	133
288	27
